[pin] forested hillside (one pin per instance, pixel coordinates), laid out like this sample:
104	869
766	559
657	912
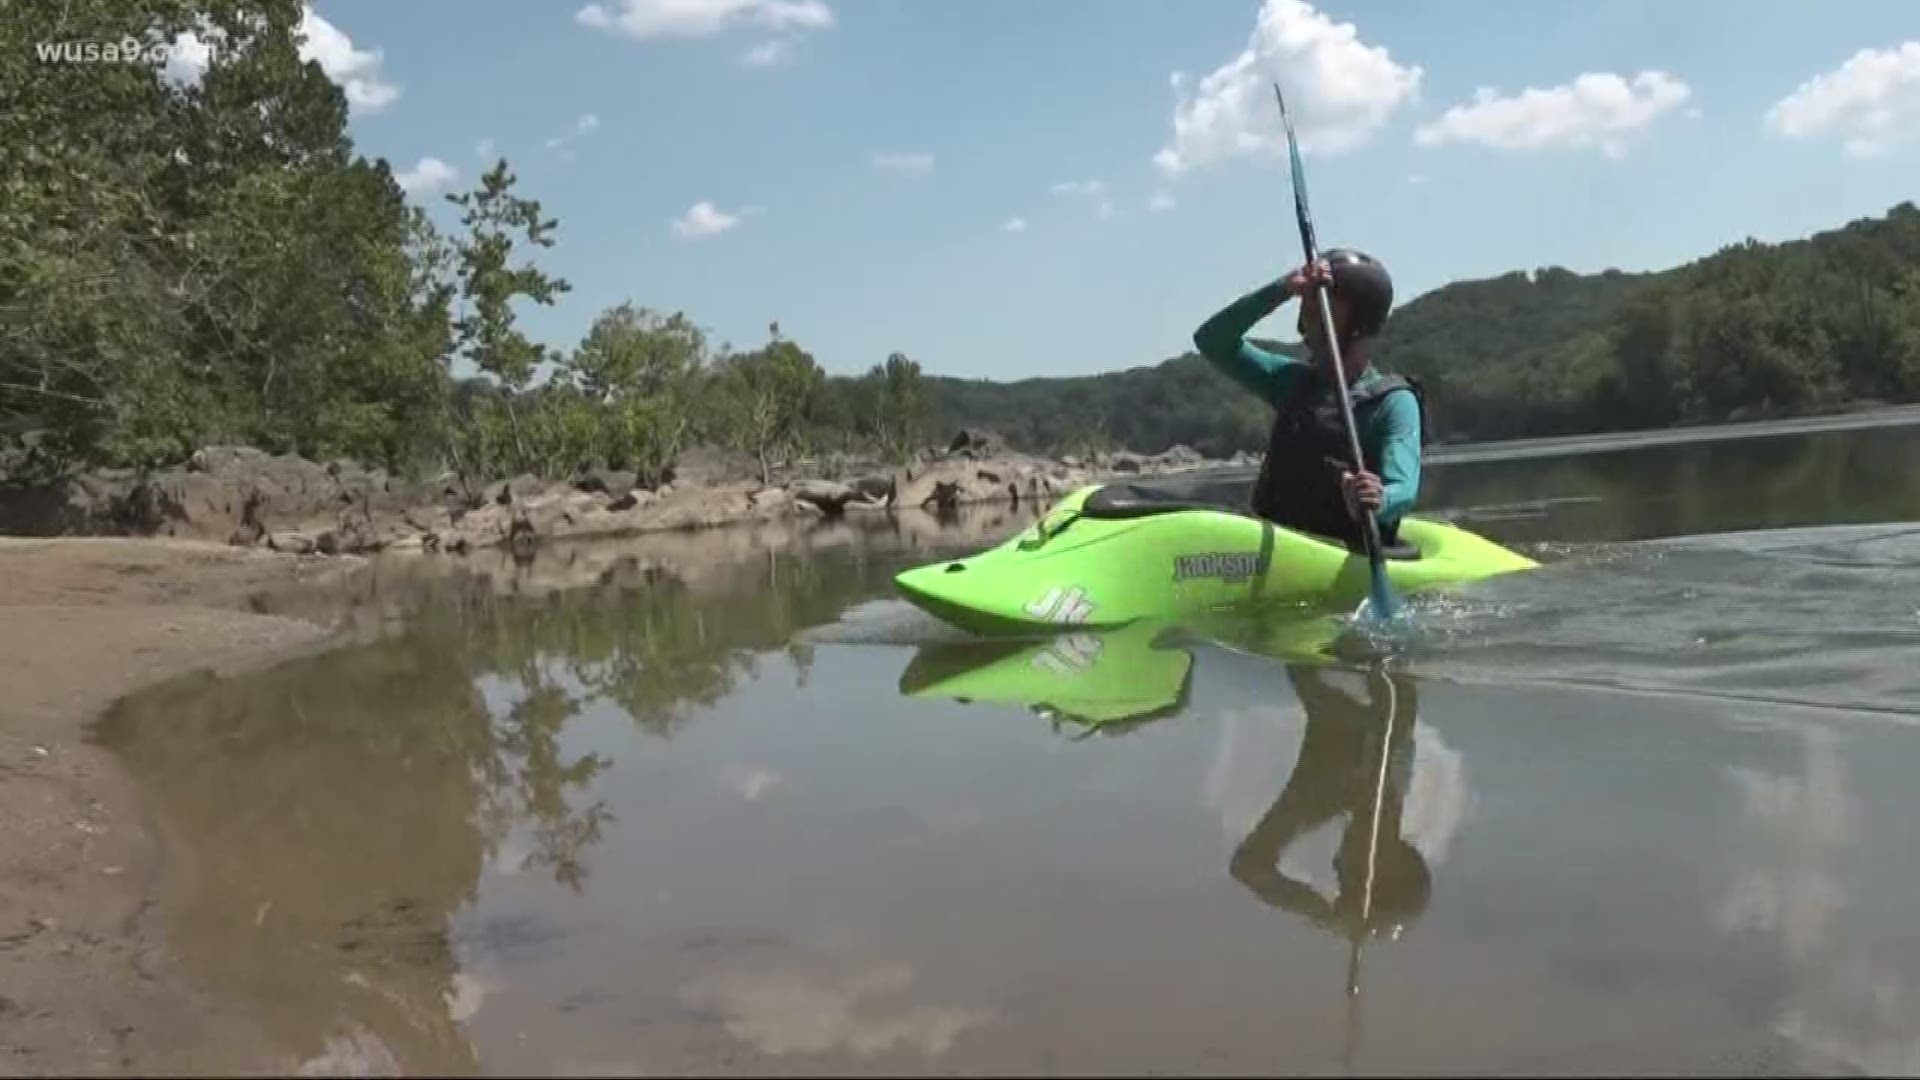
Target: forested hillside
1755	330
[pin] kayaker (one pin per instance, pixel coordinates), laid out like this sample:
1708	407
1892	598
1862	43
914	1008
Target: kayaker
1307	482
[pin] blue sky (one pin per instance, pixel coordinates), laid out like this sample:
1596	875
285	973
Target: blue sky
866	168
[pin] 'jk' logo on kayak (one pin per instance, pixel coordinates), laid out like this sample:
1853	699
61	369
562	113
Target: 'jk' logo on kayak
1226	565
1070	655
1062	606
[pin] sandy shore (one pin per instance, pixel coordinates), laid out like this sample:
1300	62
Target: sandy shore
84	985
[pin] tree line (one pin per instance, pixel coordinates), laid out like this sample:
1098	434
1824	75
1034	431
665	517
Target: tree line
188	263
1755	330
194	262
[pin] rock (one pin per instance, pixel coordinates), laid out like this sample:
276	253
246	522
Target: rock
945	495
1070	461
1125	463
614	483
291	543
521	535
976	442
223	459
875	486
416	542
518	489
769	499
1182	454
830	497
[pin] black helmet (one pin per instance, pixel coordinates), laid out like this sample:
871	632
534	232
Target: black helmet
1365	284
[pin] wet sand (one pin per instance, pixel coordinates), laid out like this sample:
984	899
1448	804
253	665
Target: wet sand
85	986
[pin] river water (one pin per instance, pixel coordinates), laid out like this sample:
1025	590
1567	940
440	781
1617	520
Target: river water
732	809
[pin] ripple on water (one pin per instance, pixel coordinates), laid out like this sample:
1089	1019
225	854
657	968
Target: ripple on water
1828	617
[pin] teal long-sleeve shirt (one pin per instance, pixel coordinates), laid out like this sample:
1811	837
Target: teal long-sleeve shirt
1392	429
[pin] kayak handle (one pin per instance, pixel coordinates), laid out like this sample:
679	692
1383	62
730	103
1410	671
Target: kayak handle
1042	534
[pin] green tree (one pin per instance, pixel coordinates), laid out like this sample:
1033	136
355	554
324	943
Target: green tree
761	400
190	262
641	371
495	220
894	410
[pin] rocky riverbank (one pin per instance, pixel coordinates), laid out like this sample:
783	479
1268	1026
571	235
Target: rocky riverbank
248	498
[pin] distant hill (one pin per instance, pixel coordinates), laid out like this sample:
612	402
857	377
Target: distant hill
1815	325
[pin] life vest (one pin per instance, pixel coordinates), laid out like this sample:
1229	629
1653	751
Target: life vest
1299	482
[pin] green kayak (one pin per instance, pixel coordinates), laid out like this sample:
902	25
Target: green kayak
1108	680
1108	555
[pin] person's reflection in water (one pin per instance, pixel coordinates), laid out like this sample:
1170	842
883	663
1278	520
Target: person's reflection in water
1356	759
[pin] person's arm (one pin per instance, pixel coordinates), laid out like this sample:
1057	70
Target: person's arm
1399	419
1222	340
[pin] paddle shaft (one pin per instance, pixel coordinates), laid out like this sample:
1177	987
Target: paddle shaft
1369	527
1366	890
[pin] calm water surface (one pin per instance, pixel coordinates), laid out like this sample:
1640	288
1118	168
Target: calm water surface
629	809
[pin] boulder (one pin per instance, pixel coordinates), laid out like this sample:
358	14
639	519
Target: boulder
613	483
291	543
829	496
875	487
518	489
768	500
975	442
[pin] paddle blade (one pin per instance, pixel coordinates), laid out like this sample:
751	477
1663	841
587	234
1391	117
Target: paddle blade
1382	604
1382	625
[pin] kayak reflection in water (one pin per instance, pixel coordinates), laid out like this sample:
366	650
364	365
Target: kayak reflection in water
1356	759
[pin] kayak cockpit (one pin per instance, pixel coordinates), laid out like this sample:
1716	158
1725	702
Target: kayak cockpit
1120	502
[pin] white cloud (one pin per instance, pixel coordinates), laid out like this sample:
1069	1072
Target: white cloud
1417	178
1868	102
429	174
1339	91
703	219
1596	110
1094	191
188	60
484	150
356	70
586	125
643	20
749	783
805	1006
1016	224
768	53
916	163
1161	202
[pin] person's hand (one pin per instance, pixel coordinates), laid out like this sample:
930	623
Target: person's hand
1302	281
1363	489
